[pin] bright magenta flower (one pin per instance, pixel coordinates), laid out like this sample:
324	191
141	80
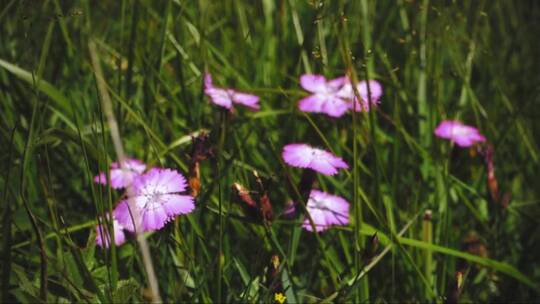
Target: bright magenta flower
122	178
305	156
347	92
226	97
325	98
326	210
462	135
103	238
157	195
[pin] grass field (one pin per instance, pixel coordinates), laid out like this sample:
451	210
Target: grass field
424	224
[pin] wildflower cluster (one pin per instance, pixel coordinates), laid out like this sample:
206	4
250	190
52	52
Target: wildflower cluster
335	97
156	194
227	97
460	134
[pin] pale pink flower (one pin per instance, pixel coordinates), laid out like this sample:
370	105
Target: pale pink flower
122	178
347	93
326	210
325	98
305	156
157	195
226	97
457	132
103	238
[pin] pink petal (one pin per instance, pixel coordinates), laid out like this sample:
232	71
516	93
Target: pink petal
463	141
290	209
313	83
364	105
124	216
175	204
171	180
338	212
361	106
226	97
325	98
319	220
336	83
444	129
348	93
103	238
478	137
469	140
305	156
312	103
154	219
134	165
219	97
119	179
248	100
462	135
208	81
122	178
323	103
338	162
323	166
335	107
327	163
100	178
297	155
326	210
333	217
159	181
374	87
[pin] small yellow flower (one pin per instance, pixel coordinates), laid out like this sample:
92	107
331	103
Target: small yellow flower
279	297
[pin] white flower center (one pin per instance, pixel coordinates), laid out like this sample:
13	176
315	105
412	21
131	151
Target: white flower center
319	204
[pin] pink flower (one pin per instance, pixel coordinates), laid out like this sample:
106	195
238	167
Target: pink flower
102	230
326	210
157	195
347	93
305	156
121	178
462	135
226	97
325	98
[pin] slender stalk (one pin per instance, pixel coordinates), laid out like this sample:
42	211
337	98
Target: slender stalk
6	227
368	67
427	236
114	258
22	194
118	147
220	245
423	122
220	257
358	237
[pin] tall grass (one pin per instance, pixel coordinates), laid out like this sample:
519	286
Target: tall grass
469	60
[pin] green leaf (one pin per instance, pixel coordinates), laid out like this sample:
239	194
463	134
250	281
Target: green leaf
495	265
41	85
126	291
